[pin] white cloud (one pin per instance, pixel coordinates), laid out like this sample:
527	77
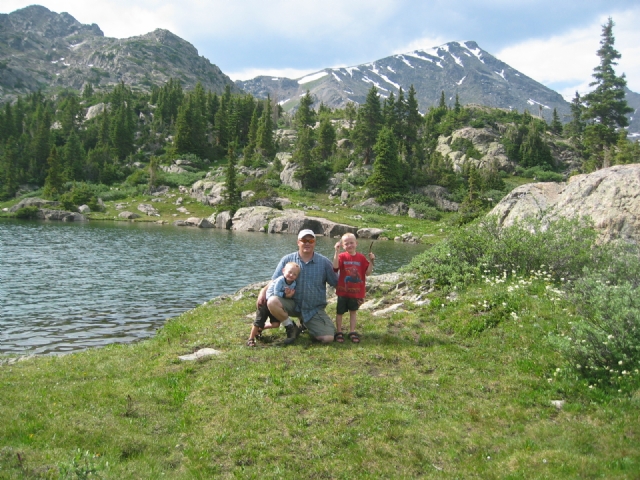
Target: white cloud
565	62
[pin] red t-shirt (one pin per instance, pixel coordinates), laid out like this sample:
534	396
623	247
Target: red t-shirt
351	281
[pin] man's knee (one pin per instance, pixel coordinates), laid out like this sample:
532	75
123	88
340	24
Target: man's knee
324	339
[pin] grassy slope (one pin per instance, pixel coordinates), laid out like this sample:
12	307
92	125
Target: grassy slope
420	397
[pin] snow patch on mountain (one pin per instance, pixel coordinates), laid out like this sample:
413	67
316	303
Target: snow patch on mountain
390	69
312	77
336	76
378	86
531	101
458	61
501	74
476	51
384	77
461	80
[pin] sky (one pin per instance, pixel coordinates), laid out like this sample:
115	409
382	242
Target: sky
552	41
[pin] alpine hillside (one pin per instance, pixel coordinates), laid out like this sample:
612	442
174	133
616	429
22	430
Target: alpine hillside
44	50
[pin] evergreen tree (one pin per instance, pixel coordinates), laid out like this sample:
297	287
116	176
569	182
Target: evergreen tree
305	116
326	140
302	156
8	169
73	158
232	193
576	126
87	91
385	180
154	163
265	144
40	144
368	125
606	106
556	124
250	149
413	122
55	176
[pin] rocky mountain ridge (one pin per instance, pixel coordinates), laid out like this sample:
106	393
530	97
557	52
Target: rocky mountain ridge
461	68
44	50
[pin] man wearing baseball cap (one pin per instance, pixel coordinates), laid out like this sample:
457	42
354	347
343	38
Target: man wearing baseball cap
310	296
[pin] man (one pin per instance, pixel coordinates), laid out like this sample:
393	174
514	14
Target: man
310	296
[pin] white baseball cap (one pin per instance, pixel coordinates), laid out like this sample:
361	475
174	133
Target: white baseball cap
305	232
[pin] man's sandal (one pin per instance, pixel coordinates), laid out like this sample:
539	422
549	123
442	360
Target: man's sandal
251	342
259	334
338	337
355	338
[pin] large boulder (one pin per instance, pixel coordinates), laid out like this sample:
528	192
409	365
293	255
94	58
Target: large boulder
207	192
288	174
61	215
148	210
33	202
611	197
223	220
128	215
253	219
372	233
292	221
485	140
440	197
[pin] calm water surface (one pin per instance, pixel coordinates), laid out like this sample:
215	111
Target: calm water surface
69	286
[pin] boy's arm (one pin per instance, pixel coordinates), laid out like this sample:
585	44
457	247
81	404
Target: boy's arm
372	259
336	255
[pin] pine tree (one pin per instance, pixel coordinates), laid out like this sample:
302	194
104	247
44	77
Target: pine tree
232	192
556	124
40	144
385	180
8	169
302	156
575	127
368	124
305	116
326	140
414	120
265	144
606	106
73	158
55	176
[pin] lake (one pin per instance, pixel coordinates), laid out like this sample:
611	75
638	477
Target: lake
69	286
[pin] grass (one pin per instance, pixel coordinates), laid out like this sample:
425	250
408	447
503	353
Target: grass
459	388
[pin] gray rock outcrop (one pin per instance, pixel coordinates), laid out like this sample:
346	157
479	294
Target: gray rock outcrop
223	220
61	215
292	221
611	197
148	210
253	219
287	176
484	140
33	202
439	195
372	233
128	215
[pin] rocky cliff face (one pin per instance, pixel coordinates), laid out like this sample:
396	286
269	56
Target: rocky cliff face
40	49
611	197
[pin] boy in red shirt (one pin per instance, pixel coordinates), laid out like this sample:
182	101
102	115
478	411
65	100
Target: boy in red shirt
353	267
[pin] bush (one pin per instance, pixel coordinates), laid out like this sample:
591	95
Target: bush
540	174
80	194
564	248
427	212
27	213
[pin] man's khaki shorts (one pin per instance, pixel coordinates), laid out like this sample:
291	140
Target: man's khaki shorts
320	325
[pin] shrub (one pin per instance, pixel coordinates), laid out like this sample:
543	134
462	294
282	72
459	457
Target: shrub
27	213
564	248
427	212
80	194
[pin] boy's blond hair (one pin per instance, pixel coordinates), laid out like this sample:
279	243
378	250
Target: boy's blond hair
292	265
347	235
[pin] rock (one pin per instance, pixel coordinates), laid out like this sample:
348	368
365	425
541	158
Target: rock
33	202
344	196
247	194
84	209
223	220
292	221
120	206
207	192
253	218
179	223
61	215
94	111
287	176
183	210
128	215
160	190
440	197
173	169
148	210
369	202
485	140
558	404
397	208
609	196
393	308
372	233
202	353
413	214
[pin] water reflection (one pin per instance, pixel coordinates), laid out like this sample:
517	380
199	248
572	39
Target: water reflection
66	286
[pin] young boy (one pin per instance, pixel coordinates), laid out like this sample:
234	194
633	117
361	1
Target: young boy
284	286
353	267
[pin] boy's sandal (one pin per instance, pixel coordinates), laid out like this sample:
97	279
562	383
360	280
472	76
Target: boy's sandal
338	337
355	338
251	342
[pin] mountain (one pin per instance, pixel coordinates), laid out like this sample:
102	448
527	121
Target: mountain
461	68
633	99
41	49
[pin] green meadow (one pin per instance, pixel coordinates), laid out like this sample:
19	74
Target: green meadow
516	368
